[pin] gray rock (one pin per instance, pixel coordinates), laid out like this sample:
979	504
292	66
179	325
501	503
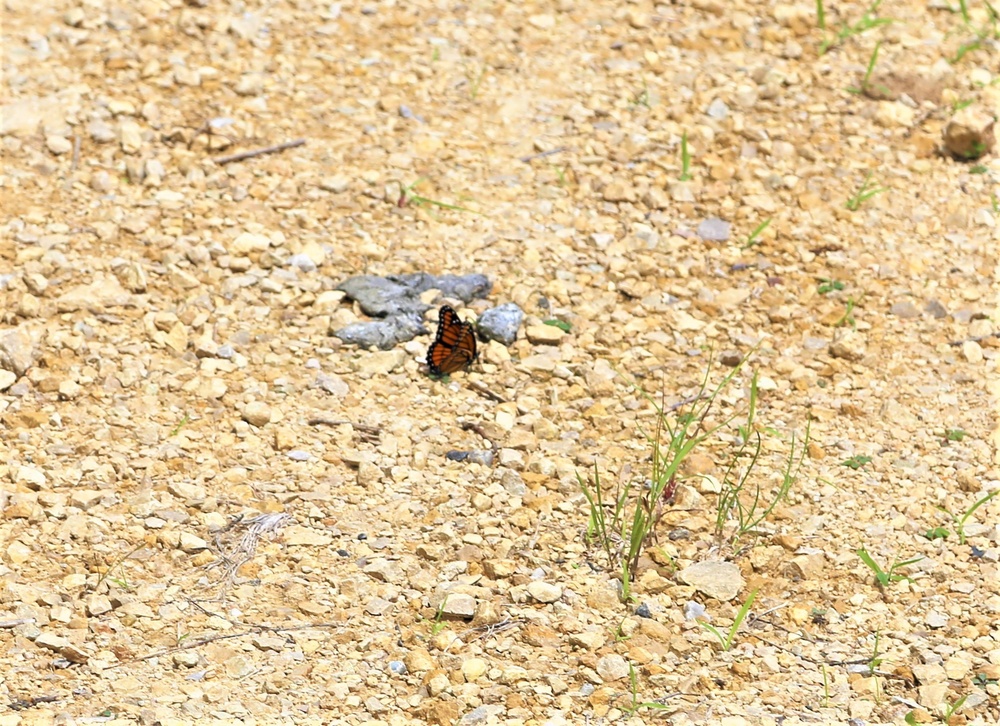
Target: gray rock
501	323
383	334
936	309
512	482
464	287
481	714
394	294
714	229
476	456
382	296
405	112
905	309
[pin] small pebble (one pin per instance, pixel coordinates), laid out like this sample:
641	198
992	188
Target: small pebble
714	229
302	262
257	413
473	669
58	145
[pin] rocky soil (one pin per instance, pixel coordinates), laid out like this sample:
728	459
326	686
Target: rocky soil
213	510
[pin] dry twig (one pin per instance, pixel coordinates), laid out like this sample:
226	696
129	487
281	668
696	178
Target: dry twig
253	629
21	704
368	433
476	428
233	558
531	157
491	629
258	152
481	388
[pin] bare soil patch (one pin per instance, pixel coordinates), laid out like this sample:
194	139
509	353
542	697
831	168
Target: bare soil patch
679	185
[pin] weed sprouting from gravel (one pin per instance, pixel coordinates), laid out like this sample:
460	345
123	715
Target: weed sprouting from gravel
726	639
407	196
961	518
739	511
866	191
868	21
885	577
623	519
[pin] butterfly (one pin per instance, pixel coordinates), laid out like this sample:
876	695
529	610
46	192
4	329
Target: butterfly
454	346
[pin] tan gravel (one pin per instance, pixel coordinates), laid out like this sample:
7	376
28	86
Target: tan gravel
169	385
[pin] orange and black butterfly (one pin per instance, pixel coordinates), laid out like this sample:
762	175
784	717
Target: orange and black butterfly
454	346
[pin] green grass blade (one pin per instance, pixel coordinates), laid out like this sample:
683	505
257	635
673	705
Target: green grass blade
740	617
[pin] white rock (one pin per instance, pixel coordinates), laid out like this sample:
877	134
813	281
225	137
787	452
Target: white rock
249	242
58	144
98	605
721	580
544	591
17	350
29	477
306	537
190	543
130	136
336	184
18	553
459	605
86	498
257	413
612	668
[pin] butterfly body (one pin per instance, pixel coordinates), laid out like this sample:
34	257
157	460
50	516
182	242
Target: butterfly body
454	346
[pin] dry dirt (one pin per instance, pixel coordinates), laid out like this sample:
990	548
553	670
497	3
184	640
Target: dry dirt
161	347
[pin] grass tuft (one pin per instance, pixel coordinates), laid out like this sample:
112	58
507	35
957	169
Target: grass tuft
884	577
866	191
409	197
623	518
960	520
869	20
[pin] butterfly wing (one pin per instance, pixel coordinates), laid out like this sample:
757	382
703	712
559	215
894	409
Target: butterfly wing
454	346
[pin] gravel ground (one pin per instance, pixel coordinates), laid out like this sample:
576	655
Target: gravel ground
216	511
